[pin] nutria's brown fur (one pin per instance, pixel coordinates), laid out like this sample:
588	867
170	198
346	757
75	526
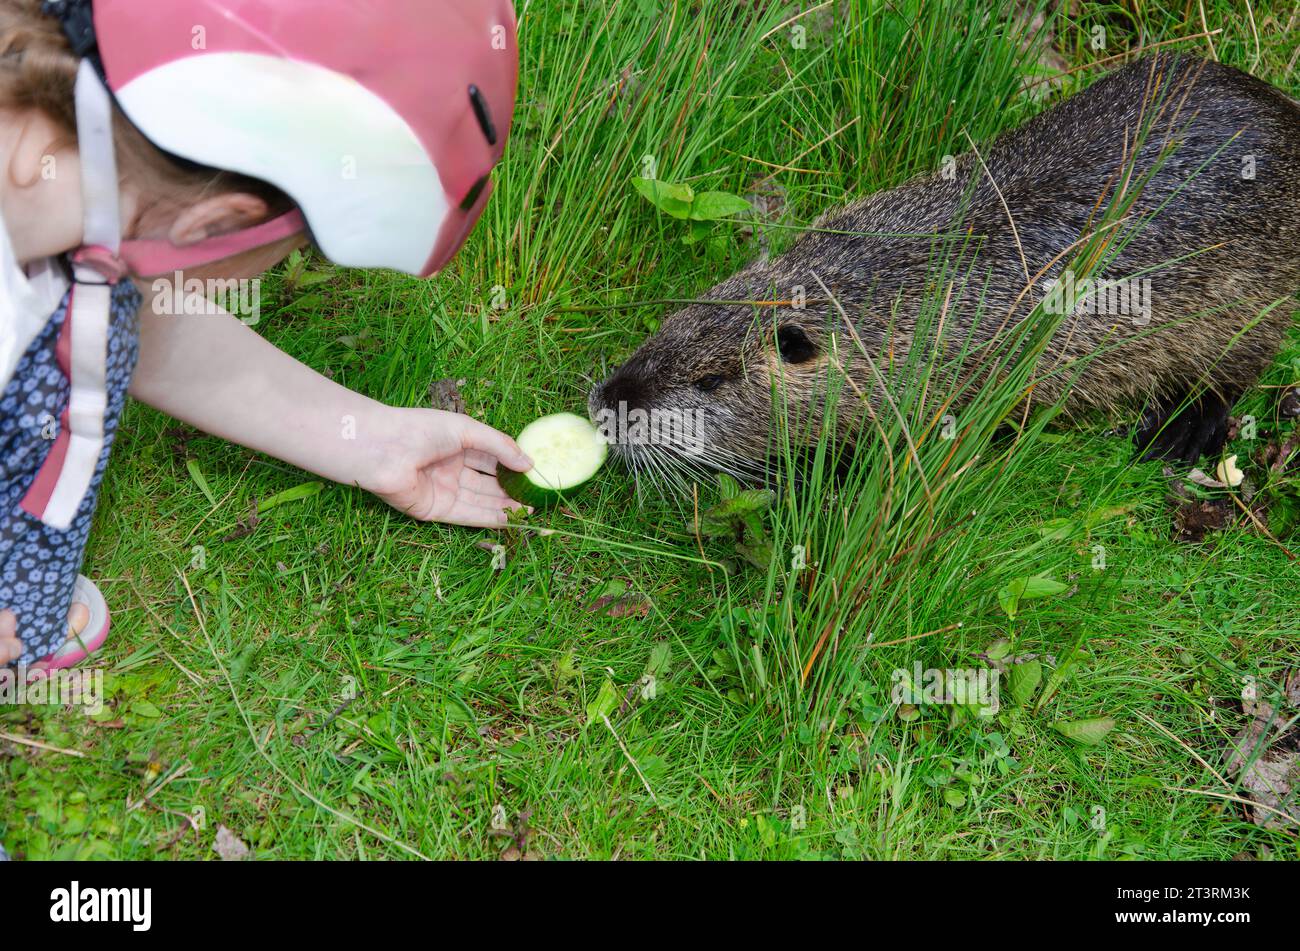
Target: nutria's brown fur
1218	246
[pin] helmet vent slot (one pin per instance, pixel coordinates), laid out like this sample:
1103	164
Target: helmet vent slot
482	114
472	195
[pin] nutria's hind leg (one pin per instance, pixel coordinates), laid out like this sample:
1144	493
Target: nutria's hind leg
1185	429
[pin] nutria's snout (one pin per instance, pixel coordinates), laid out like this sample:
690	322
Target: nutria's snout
697	396
610	401
624	405
622	386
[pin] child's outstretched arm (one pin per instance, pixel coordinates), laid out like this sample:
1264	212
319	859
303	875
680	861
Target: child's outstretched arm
222	377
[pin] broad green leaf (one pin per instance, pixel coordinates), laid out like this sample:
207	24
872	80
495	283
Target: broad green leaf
1106	513
728	487
999	649
457	710
710	206
566	668
611	590
239	665
661	655
1058	676
1023	680
1027	589
741	517
1086	732
315	277
759	554
698	231
606	702
671	199
304	491
1009	601
745	502
366	340
1040	587
143	708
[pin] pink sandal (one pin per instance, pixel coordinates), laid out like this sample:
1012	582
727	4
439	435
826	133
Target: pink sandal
78	648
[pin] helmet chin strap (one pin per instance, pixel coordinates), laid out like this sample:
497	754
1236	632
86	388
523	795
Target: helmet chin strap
148	258
101	223
63	481
103	249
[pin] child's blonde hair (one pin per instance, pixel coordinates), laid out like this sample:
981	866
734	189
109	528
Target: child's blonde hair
38	70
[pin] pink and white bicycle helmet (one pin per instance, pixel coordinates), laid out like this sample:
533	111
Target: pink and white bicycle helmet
381	119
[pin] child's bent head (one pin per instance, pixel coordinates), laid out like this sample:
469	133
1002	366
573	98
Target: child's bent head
163	196
374	125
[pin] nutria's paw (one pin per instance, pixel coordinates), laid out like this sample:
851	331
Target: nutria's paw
1182	430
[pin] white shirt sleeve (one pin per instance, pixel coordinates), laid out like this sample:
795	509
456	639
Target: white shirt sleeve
27	301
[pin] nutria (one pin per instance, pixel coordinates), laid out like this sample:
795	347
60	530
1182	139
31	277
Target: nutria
1209	223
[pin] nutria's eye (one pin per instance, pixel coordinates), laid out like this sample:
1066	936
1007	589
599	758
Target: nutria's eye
794	345
707	384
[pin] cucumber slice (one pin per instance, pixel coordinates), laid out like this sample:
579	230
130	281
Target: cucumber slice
566	451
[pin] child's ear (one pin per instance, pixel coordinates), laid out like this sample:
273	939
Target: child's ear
34	152
220	214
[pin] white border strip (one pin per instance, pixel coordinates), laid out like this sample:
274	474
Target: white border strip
87	403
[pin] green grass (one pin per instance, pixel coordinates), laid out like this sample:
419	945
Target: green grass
478	693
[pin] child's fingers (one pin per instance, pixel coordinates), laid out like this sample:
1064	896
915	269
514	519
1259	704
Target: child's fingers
494	503
482	483
475	516
497	444
487	492
480	461
480	502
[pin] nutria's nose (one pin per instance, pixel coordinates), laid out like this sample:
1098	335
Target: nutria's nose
617	388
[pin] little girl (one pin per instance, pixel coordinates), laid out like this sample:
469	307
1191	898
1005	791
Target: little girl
213	137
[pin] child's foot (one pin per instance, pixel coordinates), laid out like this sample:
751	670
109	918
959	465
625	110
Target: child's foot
78	618
80	642
11	648
87	627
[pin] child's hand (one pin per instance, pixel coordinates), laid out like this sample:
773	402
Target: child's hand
441	467
228	380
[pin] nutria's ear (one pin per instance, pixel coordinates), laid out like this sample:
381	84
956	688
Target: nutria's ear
794	345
